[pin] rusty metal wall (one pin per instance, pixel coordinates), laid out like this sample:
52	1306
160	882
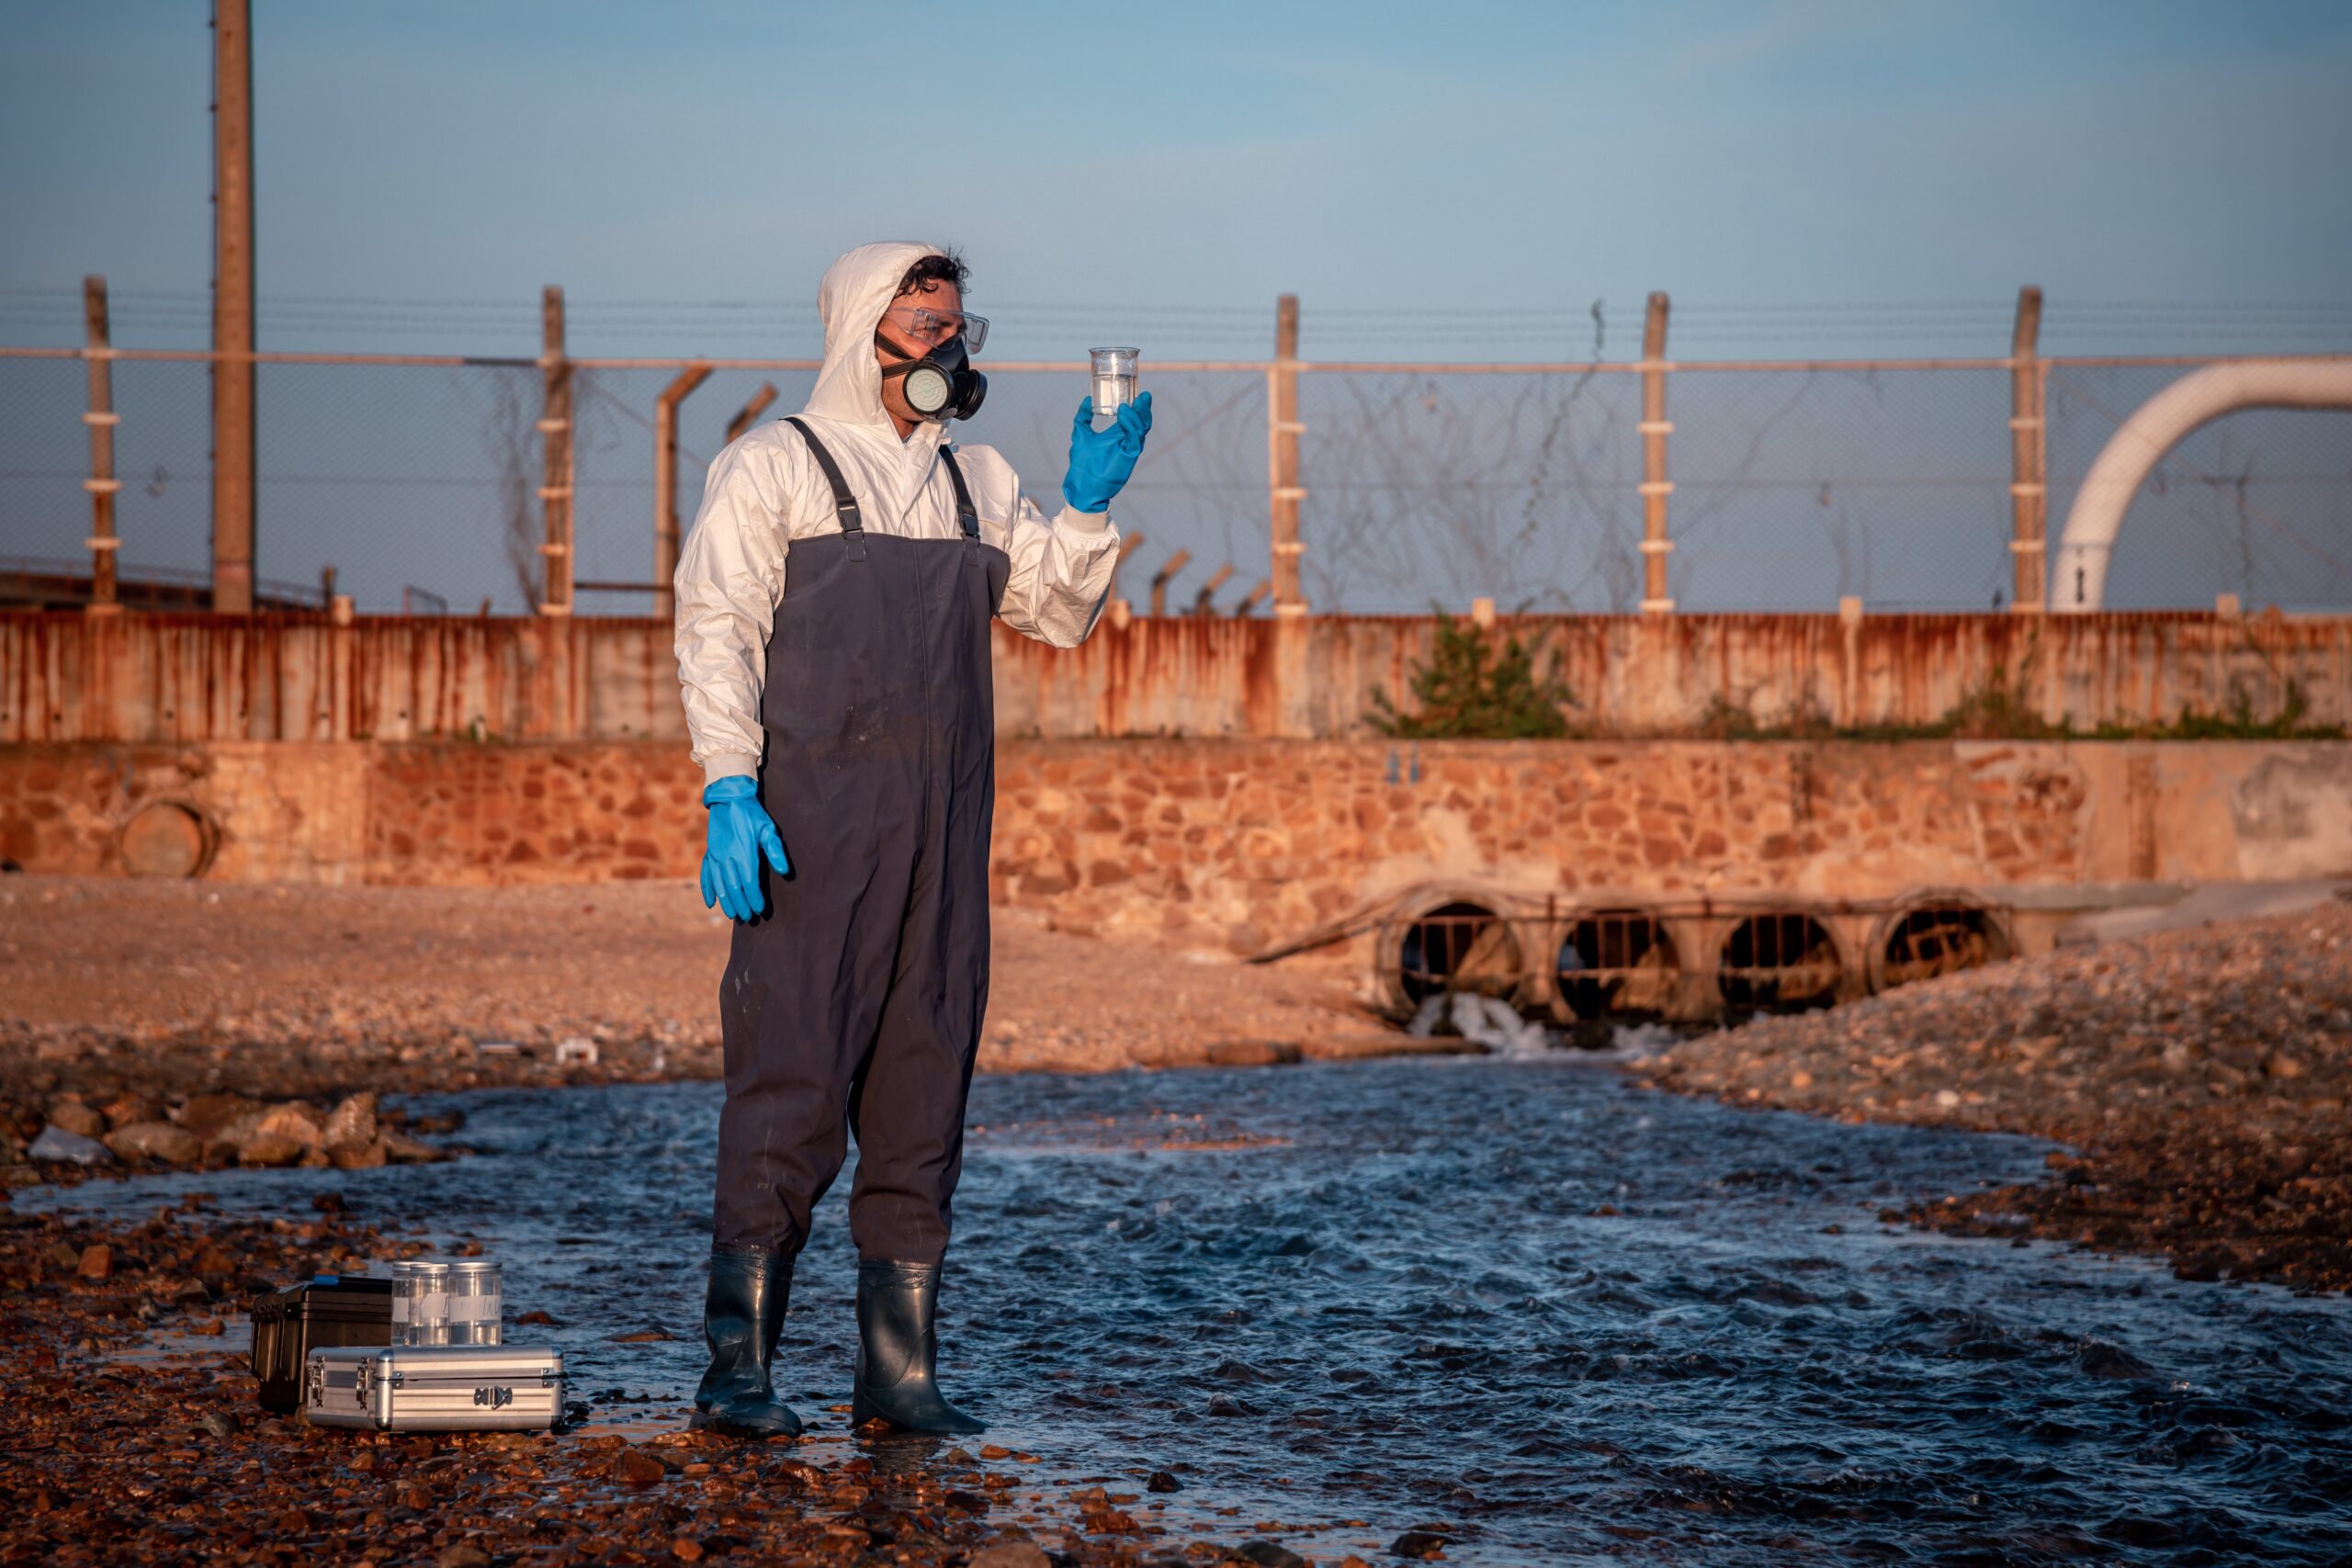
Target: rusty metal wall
137	677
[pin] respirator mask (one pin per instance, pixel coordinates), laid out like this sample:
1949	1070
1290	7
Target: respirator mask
939	386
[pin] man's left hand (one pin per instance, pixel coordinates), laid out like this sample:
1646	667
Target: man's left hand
1101	460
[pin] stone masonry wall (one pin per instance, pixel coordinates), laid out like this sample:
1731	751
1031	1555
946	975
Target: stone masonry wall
1244	843
1238	842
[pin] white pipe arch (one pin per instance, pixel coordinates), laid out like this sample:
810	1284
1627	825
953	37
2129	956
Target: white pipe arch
2078	575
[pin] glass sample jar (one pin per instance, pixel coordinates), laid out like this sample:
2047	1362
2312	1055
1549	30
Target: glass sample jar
477	1303
420	1303
1115	372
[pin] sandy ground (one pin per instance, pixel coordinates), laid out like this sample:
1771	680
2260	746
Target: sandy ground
2199	1076
110	987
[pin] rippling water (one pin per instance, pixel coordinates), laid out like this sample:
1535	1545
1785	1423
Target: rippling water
1395	1292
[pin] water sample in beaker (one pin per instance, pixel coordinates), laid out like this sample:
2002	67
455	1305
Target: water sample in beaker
1114	381
477	1298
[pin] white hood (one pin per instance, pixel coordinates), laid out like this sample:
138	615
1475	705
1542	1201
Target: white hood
765	490
856	289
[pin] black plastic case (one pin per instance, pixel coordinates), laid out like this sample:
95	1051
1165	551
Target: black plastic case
333	1309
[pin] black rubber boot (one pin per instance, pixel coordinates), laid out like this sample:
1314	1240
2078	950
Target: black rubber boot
742	1317
897	1346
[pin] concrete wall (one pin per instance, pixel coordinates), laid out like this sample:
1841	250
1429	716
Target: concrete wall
147	678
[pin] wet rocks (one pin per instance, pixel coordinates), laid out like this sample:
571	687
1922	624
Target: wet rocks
230	1129
351	1125
291	1121
166	1458
401	1149
1267	1554
636	1467
1011	1554
158	1141
268	1148
207	1115
56	1146
70	1114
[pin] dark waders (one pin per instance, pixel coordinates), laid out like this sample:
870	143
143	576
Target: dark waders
854	1005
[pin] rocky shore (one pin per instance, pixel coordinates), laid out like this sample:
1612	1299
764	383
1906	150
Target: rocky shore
132	1441
151	1016
2200	1079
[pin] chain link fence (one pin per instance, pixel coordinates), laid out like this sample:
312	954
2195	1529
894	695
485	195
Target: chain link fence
1793	484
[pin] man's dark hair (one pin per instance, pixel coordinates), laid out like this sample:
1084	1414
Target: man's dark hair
932	271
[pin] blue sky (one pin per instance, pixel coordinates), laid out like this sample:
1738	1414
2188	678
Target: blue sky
1463	180
1376	159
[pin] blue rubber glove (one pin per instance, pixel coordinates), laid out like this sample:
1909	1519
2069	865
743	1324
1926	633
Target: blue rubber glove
740	832
1101	460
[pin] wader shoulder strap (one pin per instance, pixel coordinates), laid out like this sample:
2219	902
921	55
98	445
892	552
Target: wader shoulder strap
845	504
966	517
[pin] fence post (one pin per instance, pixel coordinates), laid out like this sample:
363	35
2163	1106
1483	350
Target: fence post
101	419
1656	487
665	486
555	427
1282	457
2028	449
233	308
1168	569
1128	545
750	411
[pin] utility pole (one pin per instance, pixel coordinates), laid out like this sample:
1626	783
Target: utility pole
1655	428
555	429
233	308
665	485
101	419
1282	457
2028	449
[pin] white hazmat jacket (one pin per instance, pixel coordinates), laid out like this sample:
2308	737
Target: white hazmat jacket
764	490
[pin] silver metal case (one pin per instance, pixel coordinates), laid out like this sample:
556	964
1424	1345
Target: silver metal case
435	1388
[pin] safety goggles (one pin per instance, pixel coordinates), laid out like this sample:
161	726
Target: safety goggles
924	325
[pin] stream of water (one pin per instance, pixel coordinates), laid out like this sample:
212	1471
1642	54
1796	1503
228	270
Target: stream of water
1560	1315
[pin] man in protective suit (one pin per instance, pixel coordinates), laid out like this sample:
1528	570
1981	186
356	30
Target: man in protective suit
833	605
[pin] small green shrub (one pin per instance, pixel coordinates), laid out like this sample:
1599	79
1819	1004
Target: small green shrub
1469	689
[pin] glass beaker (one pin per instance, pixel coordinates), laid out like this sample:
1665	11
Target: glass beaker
1114	381
428	1302
477	1300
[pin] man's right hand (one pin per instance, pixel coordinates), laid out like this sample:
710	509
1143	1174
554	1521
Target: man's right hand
740	832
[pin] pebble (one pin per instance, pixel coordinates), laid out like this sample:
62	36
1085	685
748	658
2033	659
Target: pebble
158	1141
57	1145
1011	1554
1266	1554
70	1114
635	1467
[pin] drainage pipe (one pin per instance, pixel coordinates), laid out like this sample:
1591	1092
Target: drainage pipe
2078	584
